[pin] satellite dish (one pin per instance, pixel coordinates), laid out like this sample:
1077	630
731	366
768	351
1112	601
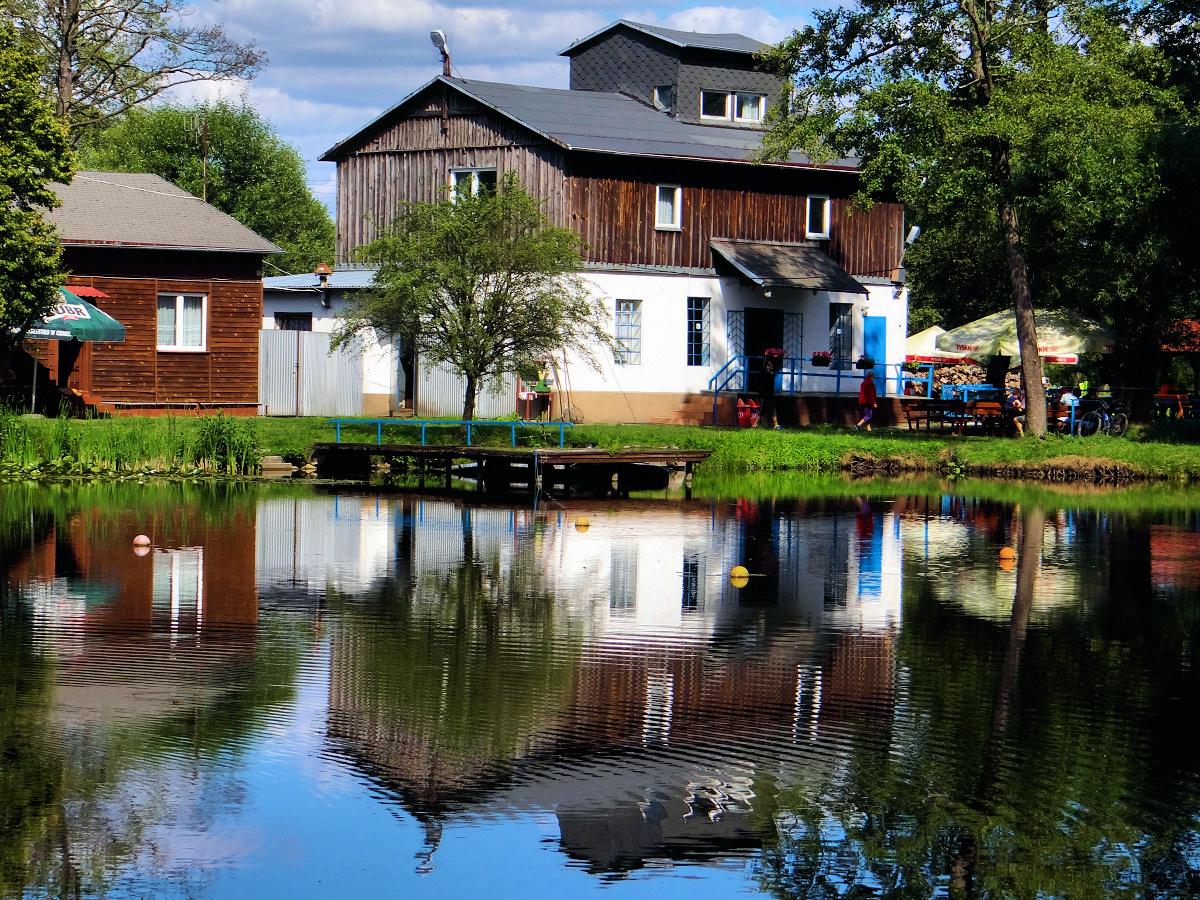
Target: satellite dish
439	40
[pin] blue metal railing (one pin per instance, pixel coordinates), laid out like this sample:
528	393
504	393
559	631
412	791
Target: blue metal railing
792	371
470	423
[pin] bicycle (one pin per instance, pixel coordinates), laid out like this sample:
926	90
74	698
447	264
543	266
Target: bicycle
1103	420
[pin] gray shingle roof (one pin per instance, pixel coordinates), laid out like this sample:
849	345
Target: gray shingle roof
777	264
120	209
600	122
733	43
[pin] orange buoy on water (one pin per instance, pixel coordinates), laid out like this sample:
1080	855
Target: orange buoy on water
1008	553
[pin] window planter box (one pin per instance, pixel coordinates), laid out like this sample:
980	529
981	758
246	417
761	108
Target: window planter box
821	362
865	362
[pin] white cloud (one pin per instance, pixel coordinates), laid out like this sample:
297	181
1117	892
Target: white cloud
336	64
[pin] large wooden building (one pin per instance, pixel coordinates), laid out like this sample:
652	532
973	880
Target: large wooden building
705	255
182	277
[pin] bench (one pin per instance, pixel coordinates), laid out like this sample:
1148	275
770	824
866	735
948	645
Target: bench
987	414
944	412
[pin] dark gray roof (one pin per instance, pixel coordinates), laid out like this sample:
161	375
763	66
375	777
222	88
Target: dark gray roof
120	209
733	43
776	264
600	122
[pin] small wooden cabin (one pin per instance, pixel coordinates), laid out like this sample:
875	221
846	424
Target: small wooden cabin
183	278
705	255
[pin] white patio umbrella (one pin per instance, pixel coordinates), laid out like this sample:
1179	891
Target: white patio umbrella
922	348
1060	334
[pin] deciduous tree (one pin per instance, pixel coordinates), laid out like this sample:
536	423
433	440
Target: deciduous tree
972	111
101	58
484	283
35	152
248	172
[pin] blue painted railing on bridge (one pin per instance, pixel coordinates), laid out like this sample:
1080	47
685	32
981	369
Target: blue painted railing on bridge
470	423
792	372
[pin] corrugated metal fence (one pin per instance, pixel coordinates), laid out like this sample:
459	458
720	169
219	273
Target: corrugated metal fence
298	376
440	391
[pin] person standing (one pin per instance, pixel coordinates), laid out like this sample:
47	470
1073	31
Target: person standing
867	400
766	392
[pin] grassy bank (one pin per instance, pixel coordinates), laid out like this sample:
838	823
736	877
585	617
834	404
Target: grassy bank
220	445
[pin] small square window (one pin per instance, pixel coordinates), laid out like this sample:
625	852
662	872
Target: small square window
749	107
182	322
817	217
668	208
470	182
293	321
714	105
664	97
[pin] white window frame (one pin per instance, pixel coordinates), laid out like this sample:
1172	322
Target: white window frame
178	347
826	216
675	224
721	118
473	171
734	106
628	328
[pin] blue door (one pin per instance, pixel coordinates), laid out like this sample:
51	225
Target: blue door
875	346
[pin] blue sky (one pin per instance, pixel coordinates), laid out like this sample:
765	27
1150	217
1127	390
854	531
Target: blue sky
336	64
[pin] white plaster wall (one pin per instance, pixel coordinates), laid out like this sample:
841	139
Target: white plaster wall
664	330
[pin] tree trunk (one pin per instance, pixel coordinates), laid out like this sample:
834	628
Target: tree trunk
1031	362
469	398
67	12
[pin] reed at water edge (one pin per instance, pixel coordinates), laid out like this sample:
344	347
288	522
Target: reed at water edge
207	445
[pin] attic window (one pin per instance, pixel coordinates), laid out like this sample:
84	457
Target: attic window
470	182
668	207
714	105
664	97
816	223
738	106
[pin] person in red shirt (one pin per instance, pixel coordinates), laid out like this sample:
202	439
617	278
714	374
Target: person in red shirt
866	400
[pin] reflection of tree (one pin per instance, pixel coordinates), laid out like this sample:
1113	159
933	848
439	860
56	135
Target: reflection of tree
30	777
70	813
1010	769
471	670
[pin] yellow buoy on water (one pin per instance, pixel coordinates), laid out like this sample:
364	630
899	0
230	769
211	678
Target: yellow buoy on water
1008	553
582	524
739	576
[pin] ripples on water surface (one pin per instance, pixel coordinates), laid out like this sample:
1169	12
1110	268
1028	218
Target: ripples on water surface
316	694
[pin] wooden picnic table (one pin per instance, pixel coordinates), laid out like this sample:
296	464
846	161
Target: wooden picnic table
946	413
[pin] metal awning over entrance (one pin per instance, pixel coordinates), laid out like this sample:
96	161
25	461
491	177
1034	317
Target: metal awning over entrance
772	264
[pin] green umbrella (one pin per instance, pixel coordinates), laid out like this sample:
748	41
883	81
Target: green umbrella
76	319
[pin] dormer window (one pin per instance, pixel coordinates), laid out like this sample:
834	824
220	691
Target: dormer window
738	106
817	217
749	107
664	97
714	105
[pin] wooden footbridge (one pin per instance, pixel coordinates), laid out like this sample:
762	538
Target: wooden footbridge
552	470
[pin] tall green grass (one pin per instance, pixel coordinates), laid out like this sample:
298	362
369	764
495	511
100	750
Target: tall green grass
218	445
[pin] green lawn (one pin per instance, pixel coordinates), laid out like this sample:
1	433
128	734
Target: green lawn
172	443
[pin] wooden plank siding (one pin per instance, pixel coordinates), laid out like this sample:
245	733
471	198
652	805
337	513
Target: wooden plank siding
224	375
609	199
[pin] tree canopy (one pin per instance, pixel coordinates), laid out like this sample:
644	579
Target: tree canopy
1015	132
101	58
251	174
35	152
482	282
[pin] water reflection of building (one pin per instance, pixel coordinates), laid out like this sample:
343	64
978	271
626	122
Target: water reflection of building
651	692
140	635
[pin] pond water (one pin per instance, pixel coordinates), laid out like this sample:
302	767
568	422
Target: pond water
332	691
